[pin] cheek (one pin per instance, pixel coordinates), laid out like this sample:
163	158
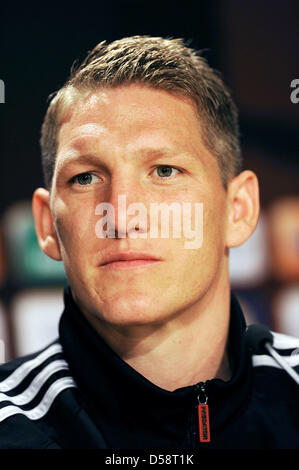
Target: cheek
214	229
205	260
75	226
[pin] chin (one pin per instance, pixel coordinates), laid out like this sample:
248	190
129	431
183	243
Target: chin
136	312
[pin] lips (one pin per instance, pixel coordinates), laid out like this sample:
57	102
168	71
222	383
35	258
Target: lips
126	259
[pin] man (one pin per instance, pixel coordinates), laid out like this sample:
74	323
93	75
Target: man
150	351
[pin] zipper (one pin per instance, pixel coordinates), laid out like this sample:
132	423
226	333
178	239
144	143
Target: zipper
203	413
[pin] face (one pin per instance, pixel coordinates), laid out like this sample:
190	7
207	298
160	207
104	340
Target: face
146	146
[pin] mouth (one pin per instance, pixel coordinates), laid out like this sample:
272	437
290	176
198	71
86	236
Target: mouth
128	260
136	263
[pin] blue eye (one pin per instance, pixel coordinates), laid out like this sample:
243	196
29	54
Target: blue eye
165	171
84	179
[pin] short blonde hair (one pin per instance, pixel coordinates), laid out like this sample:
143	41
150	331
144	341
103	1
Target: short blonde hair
166	64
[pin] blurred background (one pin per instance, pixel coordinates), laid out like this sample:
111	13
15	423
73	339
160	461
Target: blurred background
253	43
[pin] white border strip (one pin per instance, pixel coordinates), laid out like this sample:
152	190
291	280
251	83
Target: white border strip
282	341
265	360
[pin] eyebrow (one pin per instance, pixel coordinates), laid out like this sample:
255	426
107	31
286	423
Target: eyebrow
166	153
75	157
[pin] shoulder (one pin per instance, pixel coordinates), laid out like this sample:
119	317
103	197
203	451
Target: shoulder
28	388
272	383
273	411
286	346
27	363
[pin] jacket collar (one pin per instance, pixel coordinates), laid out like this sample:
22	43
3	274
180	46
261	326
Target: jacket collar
130	410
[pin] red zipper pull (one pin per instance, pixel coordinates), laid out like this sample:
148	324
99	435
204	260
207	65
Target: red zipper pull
203	416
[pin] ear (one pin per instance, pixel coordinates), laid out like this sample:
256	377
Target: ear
44	224
243	208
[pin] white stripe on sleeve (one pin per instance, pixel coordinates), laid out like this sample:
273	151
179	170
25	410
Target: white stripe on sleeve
29	393
16	377
43	407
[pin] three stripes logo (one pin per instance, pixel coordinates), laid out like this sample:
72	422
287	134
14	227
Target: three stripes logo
287	346
32	388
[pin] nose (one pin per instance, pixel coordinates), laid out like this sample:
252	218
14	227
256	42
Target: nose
130	214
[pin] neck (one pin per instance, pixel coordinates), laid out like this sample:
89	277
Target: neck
190	348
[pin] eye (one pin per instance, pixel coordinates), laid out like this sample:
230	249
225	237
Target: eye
85	179
165	171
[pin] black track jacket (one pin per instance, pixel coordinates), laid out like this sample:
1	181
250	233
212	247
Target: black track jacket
77	394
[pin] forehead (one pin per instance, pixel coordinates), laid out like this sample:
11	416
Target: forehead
129	109
132	122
